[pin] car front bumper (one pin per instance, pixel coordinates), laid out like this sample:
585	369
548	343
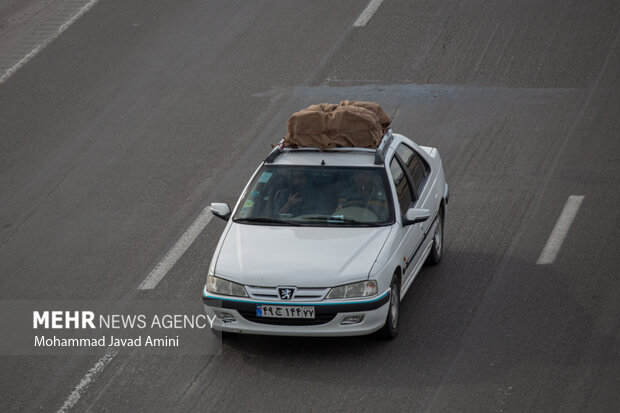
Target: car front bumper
239	316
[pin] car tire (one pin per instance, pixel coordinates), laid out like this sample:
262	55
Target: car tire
390	329
436	254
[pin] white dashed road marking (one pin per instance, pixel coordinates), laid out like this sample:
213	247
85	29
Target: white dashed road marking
367	13
177	251
554	243
151	281
87	379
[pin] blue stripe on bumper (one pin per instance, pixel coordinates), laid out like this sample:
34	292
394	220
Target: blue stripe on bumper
321	307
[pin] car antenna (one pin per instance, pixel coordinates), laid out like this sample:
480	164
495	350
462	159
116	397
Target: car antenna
323	162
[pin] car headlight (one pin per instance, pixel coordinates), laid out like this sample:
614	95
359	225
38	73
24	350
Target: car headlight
220	286
359	289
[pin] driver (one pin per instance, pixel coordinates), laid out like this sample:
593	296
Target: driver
363	193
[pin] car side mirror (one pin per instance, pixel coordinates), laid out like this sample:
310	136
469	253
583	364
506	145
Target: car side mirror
415	215
220	210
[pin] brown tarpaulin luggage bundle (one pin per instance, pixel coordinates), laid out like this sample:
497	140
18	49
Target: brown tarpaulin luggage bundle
347	124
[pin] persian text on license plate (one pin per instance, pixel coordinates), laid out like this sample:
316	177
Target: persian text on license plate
284	311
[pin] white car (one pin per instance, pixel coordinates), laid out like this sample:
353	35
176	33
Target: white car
327	242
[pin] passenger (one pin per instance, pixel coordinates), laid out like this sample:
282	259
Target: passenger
301	198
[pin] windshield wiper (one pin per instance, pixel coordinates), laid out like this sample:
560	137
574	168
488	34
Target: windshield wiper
264	220
336	219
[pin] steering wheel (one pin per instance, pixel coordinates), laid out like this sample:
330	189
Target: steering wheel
354	204
358	211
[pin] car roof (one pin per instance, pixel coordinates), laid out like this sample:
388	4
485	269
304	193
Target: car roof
326	158
341	156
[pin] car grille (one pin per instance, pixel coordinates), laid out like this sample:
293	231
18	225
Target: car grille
319	319
301	294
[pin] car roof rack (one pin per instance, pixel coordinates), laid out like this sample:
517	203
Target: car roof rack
380	152
385	143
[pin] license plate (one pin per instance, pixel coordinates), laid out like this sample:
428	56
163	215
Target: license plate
284	311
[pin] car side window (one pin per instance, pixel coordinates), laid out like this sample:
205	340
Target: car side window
403	192
418	170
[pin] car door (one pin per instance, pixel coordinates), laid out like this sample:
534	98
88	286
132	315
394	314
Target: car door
416	172
410	235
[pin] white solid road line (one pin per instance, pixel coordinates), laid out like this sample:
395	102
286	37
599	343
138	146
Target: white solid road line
87	379
57	32
151	281
367	13
110	352
554	243
177	251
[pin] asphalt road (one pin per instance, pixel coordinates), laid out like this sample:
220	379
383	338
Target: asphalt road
120	131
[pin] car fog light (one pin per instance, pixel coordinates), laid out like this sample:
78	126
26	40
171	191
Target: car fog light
225	317
352	319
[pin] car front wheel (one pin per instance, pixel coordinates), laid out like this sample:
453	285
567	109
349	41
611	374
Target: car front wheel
390	329
434	257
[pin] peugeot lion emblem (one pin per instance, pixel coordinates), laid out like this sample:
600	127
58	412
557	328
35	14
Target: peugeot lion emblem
285	293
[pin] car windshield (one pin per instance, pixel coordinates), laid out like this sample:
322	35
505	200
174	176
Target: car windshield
317	196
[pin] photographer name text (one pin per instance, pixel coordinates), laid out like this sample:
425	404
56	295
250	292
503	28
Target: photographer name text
103	341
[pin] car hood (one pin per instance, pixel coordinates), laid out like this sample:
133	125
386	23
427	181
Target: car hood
269	256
